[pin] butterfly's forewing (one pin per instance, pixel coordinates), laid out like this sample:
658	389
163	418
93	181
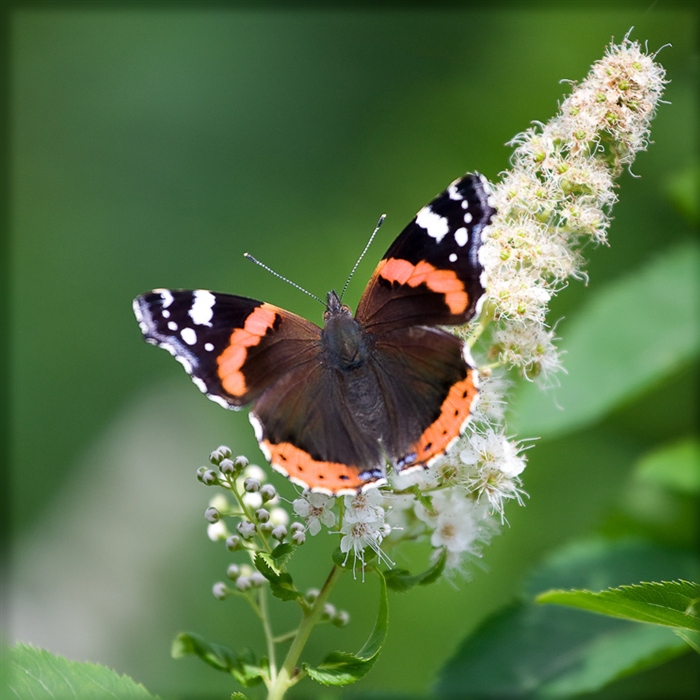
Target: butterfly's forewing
431	274
232	347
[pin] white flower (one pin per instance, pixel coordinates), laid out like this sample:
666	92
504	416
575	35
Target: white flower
459	524
364	507
497	487
357	535
529	347
492	450
316	509
491	404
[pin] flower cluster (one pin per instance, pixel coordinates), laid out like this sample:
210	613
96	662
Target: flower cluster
558	195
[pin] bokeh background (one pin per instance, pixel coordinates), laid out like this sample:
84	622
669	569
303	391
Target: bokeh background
151	147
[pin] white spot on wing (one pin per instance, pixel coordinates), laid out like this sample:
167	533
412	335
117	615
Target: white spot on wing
435	225
468	218
208	347
203	307
166	313
188	335
453	257
172	325
166	296
453	193
461	236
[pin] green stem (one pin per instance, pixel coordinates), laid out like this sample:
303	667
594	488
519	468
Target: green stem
269	636
286	678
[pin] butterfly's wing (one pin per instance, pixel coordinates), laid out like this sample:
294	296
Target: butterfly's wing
232	347
431	274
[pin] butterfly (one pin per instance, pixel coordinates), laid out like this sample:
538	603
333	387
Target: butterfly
388	388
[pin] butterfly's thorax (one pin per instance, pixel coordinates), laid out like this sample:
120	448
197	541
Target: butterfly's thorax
343	339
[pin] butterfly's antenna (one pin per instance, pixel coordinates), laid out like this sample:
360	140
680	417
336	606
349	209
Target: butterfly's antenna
362	255
284	279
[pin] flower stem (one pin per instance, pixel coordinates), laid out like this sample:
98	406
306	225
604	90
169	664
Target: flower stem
285	677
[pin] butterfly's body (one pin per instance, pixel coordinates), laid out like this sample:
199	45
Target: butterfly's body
333	406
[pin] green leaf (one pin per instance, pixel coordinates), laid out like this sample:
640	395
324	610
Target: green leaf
241	666
36	674
531	650
675	466
628	337
690	638
402	580
343	668
281	584
282	553
668	603
526	650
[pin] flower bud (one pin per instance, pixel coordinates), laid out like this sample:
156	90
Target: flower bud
221	452
262	515
219	590
298	537
251	485
245	529
243	583
311	595
233	543
329	612
241	462
209	478
342	618
257	579
200	473
212	515
279	532
268	492
227	467
233	571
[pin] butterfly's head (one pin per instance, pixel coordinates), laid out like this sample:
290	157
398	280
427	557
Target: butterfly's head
334	307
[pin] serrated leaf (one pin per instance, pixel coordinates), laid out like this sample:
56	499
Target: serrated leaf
675	466
626	345
342	668
668	603
266	565
281	584
402	580
36	674
241	666
282	553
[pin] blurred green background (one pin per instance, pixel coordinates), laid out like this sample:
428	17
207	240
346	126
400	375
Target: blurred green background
152	147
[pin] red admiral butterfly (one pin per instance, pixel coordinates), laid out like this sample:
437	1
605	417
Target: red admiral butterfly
333	406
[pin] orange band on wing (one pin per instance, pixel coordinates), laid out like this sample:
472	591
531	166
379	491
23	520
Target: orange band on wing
301	468
454	413
233	357
443	282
